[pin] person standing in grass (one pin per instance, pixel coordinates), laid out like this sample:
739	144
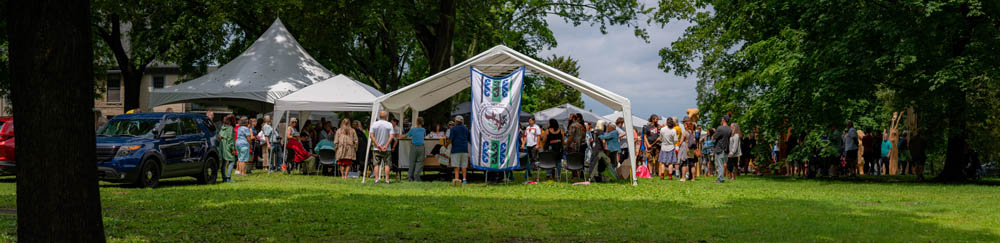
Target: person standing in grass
721	137
362	145
611	145
346	143
459	141
735	151
265	141
243	138
532	134
554	143
886	148
651	140
227	147
381	133
668	155
688	150
707	151
417	153
851	148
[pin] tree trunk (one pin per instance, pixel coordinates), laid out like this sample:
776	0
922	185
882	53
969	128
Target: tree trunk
955	157
51	54
436	39
132	86
131	77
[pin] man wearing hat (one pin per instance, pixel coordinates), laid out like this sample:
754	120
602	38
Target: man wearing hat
458	137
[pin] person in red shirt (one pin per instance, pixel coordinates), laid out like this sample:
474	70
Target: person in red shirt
301	155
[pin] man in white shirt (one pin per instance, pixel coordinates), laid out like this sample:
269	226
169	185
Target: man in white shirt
529	142
381	134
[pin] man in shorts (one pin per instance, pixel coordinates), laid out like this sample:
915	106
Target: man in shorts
458	138
381	133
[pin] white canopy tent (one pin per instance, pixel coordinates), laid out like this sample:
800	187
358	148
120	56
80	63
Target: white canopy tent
561	114
340	93
274	66
496	61
637	122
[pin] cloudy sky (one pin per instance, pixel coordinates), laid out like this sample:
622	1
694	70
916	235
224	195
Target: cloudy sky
626	65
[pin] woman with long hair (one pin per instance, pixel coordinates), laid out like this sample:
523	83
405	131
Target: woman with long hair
735	151
346	143
554	141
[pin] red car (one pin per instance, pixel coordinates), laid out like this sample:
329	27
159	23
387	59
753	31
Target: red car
7	164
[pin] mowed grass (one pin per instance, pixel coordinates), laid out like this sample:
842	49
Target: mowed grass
284	208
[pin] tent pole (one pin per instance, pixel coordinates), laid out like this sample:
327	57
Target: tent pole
284	140
368	150
627	114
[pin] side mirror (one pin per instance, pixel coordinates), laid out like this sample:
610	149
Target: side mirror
169	134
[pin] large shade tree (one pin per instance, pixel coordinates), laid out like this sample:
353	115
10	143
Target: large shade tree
50	56
812	64
139	33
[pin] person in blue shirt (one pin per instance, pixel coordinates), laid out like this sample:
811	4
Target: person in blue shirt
886	147
243	137
417	153
326	143
707	151
458	138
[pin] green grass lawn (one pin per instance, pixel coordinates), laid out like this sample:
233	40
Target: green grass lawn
283	208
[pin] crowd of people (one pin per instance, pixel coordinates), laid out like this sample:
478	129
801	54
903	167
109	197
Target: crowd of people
673	148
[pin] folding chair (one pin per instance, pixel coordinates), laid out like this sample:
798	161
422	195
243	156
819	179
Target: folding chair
327	158
547	161
574	162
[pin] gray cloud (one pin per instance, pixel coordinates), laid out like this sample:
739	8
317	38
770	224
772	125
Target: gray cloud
625	64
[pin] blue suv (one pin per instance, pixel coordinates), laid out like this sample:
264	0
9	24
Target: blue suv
142	148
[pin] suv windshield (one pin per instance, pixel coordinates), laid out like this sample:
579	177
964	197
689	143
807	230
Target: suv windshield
129	127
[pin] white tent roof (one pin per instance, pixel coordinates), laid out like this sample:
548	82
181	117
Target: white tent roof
494	62
340	93
561	114
274	66
636	121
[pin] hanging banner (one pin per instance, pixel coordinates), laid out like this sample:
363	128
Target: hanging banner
496	103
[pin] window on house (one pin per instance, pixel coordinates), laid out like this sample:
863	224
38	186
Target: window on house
114	94
157	82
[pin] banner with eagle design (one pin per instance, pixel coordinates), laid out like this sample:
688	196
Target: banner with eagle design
496	103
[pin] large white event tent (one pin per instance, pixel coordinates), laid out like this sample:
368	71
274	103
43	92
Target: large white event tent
496	61
274	66
340	93
637	122
561	114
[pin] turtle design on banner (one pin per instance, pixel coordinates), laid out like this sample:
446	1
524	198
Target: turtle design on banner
495	102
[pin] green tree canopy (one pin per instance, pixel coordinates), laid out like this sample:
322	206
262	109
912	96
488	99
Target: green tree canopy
811	64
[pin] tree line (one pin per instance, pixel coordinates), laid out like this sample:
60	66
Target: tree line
809	65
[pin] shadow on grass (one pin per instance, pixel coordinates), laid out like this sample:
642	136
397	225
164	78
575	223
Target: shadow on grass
224	214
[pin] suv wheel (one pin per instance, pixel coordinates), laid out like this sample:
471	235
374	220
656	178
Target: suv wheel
149	175
209	171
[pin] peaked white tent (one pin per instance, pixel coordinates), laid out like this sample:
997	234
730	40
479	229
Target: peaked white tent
340	93
561	113
274	66
637	122
496	61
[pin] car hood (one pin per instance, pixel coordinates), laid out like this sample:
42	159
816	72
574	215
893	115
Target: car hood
122	140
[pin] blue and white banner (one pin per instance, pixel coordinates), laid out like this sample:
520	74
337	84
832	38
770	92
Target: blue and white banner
496	103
